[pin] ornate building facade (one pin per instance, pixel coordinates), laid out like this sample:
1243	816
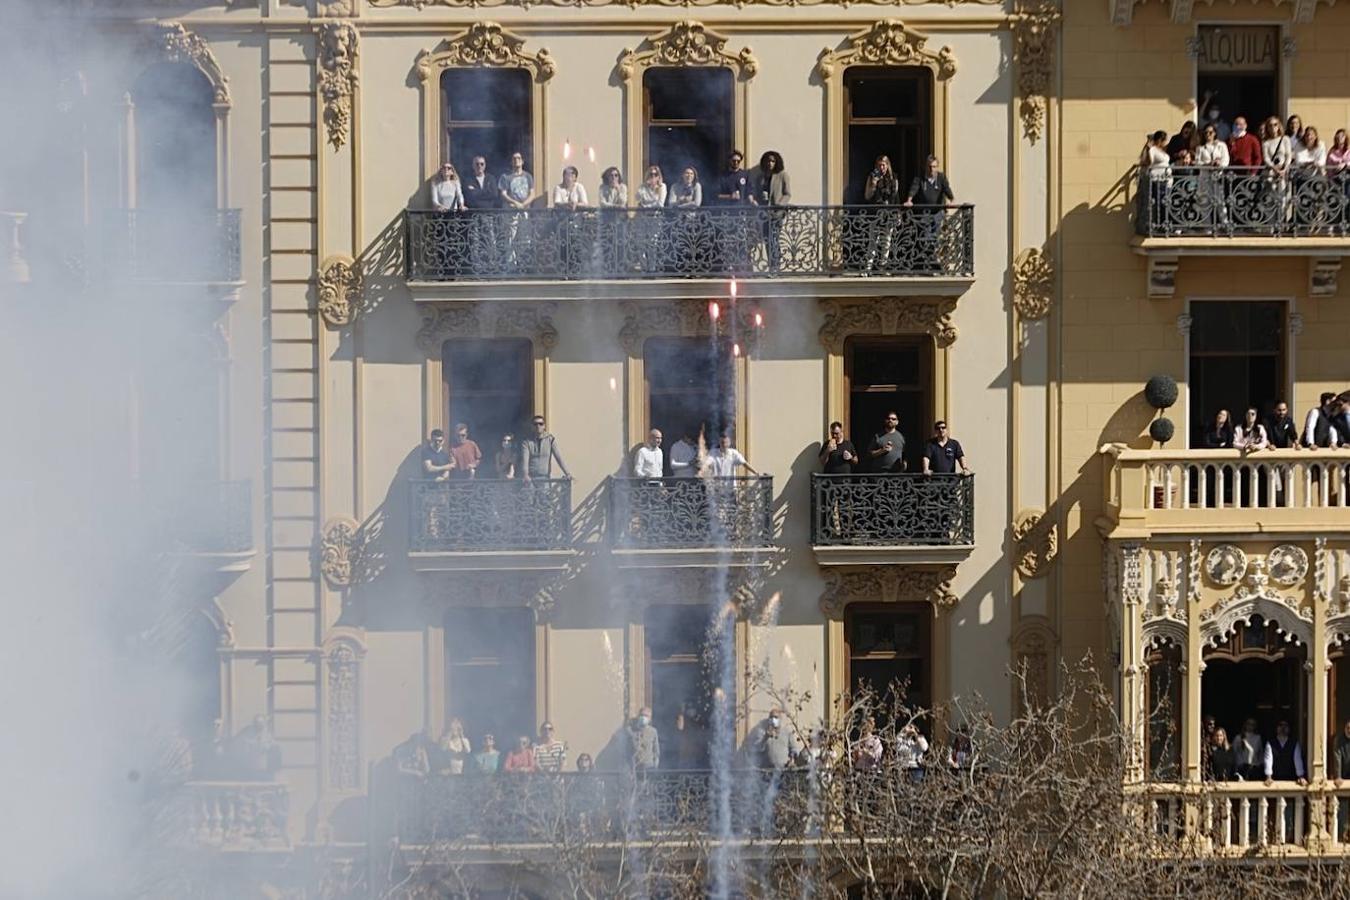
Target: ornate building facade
366	603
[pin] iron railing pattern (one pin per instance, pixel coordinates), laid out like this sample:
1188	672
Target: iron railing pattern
552	807
1194	201
197	246
490	514
711	242
892	510
673	513
208	516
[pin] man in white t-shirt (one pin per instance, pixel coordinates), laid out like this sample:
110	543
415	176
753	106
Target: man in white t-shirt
648	461
724	458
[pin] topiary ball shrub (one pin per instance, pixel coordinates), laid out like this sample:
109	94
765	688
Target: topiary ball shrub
1161	391
1161	430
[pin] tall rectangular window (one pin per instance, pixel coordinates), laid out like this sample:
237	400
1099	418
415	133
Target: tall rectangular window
486	112
489	386
688	661
1238	68
690	118
489	658
690	387
1237	360
890	374
890	648
889	110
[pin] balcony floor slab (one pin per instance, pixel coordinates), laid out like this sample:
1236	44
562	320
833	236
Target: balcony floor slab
492	561
947	554
695	558
751	288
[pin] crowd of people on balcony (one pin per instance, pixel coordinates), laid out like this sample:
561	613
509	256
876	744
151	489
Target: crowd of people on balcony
943	454
534	458
689	458
1239	177
766	187
1251	756
1326	425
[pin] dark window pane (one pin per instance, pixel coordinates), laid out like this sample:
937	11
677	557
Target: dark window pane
175	138
490	387
689	116
486	113
490	669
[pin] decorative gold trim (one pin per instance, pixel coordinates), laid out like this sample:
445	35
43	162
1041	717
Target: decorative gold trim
888	42
1036	538
1034	35
886	316
485	320
684	318
688	43
486	44
339	51
176	44
340	283
888	584
1033	283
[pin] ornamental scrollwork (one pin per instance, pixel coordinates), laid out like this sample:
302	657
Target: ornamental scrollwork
888	584
346	551
887	43
684	318
887	316
343	719
480	320
687	43
490	45
536	591
1256	596
339	50
1036	537
1226	564
1034	33
175	44
1033	283
340	283
1287	564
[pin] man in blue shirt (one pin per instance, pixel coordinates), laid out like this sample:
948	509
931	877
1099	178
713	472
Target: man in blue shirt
943	454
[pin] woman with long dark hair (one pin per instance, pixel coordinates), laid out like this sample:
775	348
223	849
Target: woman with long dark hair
772	189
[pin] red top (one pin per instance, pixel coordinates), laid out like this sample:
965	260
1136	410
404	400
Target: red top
521	761
467	456
1244	151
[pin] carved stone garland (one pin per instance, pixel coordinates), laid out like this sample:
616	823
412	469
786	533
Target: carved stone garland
339	50
687	43
486	320
339	284
888	584
1037	541
683	318
175	44
1034	34
343	685
887	315
887	43
1033	284
487	44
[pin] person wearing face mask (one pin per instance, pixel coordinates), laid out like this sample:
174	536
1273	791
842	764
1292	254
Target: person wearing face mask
644	744
1212	114
771	745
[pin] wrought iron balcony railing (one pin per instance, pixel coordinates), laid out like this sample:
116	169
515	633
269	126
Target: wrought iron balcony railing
711	242
542	808
471	514
208	516
683	513
1194	201
196	246
232	815
892	510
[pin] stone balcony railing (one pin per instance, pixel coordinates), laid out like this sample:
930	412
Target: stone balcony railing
233	815
193	247
702	243
690	513
1192	201
1214	491
486	514
892	510
1245	818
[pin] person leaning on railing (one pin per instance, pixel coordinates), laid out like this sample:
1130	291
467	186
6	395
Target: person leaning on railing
772	189
538	452
944	454
932	191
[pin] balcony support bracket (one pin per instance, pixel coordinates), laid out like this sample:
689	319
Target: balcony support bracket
1162	276
1323	276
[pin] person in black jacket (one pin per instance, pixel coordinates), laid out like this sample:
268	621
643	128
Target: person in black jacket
1222	761
932	192
1280	428
481	195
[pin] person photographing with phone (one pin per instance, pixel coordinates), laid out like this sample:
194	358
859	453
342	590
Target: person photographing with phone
882	190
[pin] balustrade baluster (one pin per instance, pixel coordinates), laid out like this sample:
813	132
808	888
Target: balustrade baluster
1262	821
1203	488
1227	839
1244	822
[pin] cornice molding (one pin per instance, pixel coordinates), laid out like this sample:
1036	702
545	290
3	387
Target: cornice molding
685	318
888	584
339	52
687	43
489	45
887	316
487	320
888	42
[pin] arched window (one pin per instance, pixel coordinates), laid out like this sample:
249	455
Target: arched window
175	138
